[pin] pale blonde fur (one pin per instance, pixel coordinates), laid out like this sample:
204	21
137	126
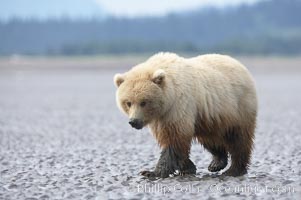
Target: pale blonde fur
214	90
210	85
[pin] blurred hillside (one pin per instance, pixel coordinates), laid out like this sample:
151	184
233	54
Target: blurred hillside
267	27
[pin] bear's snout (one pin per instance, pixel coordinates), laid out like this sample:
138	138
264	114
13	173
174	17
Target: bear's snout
136	123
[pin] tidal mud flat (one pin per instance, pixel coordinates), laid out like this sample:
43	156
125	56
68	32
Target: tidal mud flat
62	136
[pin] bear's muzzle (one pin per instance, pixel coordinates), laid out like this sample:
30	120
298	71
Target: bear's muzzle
136	123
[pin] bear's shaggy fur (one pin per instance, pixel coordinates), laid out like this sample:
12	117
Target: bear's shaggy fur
210	98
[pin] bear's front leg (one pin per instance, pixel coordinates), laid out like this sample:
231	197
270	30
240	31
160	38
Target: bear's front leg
172	162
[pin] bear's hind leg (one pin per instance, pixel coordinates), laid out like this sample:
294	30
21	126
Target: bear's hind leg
239	143
219	160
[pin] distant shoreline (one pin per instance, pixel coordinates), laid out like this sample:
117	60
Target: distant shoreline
268	64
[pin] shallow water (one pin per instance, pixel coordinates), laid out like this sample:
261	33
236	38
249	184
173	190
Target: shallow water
62	137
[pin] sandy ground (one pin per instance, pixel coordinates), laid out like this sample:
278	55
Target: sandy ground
62	137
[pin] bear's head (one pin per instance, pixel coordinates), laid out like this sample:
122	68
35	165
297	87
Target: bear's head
142	95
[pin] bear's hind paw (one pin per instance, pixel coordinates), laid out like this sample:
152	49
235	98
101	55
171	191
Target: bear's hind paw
217	165
235	172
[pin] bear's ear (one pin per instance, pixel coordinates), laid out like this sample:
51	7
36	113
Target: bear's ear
158	76
118	79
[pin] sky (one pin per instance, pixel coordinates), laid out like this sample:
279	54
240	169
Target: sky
43	9
161	7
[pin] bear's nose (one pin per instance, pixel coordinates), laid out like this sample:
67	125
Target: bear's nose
136	123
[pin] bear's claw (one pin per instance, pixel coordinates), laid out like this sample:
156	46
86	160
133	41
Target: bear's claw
148	173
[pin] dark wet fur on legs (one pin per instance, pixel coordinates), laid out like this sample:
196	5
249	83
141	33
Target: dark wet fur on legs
219	158
221	140
239	144
169	163
217	137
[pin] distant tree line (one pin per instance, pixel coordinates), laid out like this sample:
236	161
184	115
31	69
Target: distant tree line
267	27
121	47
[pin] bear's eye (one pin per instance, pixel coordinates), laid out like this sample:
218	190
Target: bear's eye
128	104
143	103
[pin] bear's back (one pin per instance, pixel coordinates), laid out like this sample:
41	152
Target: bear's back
228	84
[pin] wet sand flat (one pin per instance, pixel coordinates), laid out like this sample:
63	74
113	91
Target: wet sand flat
62	136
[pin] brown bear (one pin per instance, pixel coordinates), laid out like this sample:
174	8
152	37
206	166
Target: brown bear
210	98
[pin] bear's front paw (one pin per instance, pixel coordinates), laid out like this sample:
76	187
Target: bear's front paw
164	172
161	173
